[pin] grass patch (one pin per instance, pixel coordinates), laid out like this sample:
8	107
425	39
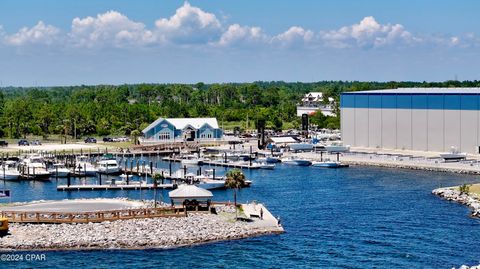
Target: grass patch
475	188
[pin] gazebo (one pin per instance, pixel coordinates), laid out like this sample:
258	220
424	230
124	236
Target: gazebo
191	197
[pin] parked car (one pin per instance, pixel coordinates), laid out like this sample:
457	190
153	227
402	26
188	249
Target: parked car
36	142
107	139
90	140
23	142
3	143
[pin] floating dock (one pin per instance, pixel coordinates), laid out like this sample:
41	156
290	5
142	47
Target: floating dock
92	187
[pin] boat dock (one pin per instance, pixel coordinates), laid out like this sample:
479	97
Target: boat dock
92	187
232	164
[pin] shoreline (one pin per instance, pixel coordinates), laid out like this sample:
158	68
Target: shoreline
206	242
412	167
454	195
145	233
387	160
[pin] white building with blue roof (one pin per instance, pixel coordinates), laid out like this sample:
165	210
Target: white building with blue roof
421	119
182	129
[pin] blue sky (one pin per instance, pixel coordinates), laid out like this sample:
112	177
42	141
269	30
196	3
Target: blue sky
50	42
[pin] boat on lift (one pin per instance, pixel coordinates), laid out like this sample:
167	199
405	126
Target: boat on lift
34	167
108	165
337	147
60	170
9	171
84	167
301	146
192	159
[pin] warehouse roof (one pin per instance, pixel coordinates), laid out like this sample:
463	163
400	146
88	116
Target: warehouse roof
421	91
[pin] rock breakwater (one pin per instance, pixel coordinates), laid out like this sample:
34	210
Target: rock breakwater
454	194
131	234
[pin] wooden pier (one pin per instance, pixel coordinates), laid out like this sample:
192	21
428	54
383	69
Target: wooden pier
93	187
86	217
232	165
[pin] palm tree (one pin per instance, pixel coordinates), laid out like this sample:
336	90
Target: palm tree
235	180
156	178
135	134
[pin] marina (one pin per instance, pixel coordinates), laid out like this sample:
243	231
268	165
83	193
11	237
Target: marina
239	134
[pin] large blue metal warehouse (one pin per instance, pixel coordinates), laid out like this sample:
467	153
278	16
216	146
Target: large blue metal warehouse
422	119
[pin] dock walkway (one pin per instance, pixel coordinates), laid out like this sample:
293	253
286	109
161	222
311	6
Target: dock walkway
113	187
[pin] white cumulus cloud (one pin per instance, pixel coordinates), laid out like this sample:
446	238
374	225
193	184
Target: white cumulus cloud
38	34
189	25
294	36
237	34
367	33
109	28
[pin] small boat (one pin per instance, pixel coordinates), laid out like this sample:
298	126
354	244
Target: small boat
204	181
108	166
84	167
271	159
34	167
264	165
9	171
192	160
454	154
296	161
301	146
59	170
337	147
329	164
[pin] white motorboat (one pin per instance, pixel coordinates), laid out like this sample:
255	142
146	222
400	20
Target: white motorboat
272	159
329	164
192	160
296	161
301	146
204	181
108	166
34	167
9	171
265	165
454	154
337	147
60	170
84	167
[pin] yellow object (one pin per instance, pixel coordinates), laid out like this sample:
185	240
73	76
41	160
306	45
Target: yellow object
3	226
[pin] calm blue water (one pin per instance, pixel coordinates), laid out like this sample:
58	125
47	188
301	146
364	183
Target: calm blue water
359	217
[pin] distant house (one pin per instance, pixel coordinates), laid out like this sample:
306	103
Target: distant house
181	129
313	102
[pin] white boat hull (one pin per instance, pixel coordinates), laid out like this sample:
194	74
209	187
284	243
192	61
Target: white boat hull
301	146
109	171
9	175
329	164
297	162
211	184
61	172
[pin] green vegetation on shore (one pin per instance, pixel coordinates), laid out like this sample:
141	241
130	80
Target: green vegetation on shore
102	110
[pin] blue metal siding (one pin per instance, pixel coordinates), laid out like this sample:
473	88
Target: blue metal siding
411	101
404	101
389	101
347	100
435	101
375	101
419	101
361	101
469	102
452	102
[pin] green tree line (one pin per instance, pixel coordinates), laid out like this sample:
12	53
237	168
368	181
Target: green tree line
102	110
